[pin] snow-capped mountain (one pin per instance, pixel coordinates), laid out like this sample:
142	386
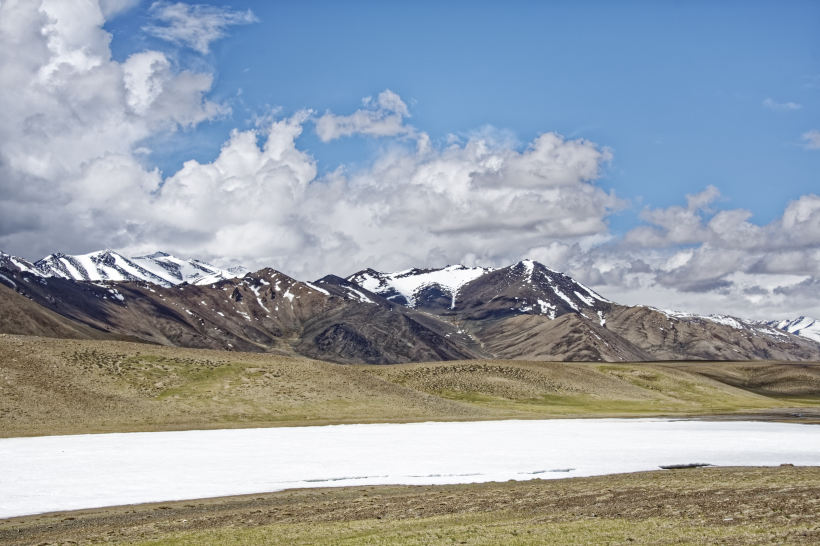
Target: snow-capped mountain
531	288
7	260
106	265
801	326
526	287
175	270
412	285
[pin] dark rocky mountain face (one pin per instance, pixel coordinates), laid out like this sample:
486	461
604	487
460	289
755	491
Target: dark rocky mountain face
374	330
527	288
524	311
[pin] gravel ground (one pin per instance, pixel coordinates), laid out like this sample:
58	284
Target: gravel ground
691	506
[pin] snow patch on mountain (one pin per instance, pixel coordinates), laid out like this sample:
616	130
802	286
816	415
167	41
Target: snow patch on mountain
175	270
801	326
737	324
8	281
547	309
408	283
565	298
587	290
23	265
320	290
106	265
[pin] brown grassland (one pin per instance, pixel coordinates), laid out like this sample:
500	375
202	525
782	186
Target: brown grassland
62	386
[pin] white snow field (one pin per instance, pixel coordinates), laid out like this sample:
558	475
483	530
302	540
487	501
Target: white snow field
52	473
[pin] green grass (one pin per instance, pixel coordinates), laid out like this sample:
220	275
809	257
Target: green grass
661	391
581	404
485	529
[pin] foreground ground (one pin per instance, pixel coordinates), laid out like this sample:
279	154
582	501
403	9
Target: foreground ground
58	386
693	506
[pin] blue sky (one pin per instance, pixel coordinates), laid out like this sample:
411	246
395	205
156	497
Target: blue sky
678	90
664	153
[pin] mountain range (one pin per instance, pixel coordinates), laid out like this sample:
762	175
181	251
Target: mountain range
523	311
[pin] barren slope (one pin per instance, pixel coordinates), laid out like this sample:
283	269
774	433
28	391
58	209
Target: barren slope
19	315
569	338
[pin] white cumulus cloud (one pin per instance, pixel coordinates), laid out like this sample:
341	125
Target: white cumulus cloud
381	117
716	261
66	106
267	204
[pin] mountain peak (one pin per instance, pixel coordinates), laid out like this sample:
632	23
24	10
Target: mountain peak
108	265
801	326
157	254
418	287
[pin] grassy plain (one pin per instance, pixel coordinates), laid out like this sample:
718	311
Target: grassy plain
693	506
60	386
561	389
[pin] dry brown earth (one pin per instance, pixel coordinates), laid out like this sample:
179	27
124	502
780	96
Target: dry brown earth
695	506
571	338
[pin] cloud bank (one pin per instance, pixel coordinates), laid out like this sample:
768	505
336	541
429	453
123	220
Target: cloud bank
72	120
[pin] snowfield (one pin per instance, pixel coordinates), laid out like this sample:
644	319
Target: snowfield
51	473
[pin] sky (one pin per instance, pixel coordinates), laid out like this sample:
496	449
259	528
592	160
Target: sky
664	153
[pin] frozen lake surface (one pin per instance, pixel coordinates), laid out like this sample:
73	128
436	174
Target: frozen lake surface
53	473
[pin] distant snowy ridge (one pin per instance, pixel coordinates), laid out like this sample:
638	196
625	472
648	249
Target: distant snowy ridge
526	287
106	265
193	271
801	326
404	286
726	320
